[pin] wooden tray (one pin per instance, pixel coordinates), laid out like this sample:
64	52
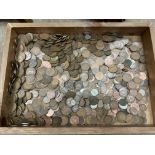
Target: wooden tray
145	30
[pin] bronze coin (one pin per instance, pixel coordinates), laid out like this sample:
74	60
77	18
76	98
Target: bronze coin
74	120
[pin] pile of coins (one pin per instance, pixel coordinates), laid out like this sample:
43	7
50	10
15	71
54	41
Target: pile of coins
85	79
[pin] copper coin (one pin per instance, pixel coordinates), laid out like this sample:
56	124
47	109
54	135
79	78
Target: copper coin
64	121
99	75
74	120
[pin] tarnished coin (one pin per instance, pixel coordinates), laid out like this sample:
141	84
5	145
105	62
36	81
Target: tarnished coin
106	99
100	45
113	68
65	121
109	38
50	71
54	83
121	117
44	36
108	61
135	46
108	120
85	53
56	121
28	95
20	57
113	105
99	61
46	64
74	120
51	94
27	86
132	85
135	56
66	110
81	112
127	77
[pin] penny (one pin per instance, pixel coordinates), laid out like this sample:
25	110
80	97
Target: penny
139	96
74	120
20	57
133	110
51	94
106	99
113	105
54	83
113	68
44	36
27	86
130	98
56	121
99	75
99	61
108	120
108	61
135	46
100	104
28	95
127	77
109	38
66	110
142	76
121	117
46	64
100	45
64	120
135	56
133	92
81	112
131	85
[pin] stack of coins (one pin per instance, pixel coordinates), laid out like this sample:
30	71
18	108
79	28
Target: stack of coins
78	80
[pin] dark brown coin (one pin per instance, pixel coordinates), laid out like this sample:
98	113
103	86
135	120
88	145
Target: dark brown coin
108	120
56	121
